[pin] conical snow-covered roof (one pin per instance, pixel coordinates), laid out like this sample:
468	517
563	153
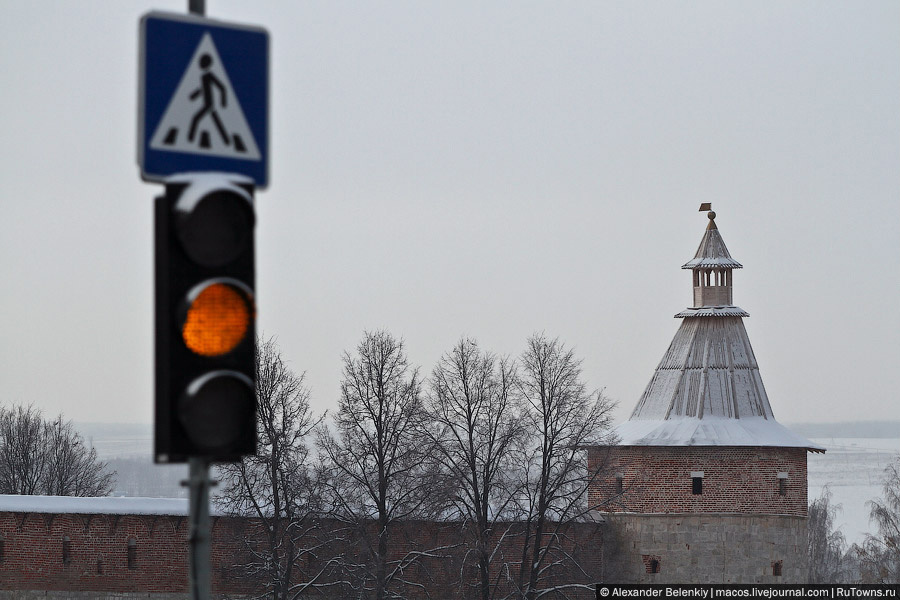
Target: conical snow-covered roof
709	370
712	253
707	389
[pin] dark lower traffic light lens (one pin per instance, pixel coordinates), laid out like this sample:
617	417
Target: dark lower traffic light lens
216	408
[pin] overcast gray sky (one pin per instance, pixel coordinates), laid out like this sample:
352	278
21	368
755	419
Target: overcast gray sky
487	169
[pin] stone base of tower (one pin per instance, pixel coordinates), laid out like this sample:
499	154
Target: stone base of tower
708	548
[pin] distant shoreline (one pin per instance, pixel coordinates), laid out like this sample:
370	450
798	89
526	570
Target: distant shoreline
847	429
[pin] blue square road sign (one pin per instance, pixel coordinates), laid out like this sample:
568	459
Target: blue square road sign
204	97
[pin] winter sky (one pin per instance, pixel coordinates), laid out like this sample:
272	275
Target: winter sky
487	169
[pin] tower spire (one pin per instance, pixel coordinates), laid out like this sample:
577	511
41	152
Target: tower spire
707	206
712	266
707	389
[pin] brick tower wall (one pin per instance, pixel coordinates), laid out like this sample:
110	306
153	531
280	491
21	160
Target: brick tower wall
710	548
748	524
658	479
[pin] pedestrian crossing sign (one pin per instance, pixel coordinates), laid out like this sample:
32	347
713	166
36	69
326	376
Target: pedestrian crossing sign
203	97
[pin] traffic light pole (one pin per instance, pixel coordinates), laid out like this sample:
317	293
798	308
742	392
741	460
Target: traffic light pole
199	536
188	425
205	405
199	483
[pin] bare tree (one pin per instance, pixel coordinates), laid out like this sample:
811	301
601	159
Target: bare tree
476	426
825	544
47	457
72	469
277	487
378	469
880	555
562	419
22	456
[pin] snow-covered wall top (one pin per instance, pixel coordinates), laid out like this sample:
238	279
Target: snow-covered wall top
95	506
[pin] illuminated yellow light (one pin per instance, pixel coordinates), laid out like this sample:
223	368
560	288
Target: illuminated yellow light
217	320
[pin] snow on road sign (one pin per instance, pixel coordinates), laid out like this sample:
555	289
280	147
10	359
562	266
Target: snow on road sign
204	115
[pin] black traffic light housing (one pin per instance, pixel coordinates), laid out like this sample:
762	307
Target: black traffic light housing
205	319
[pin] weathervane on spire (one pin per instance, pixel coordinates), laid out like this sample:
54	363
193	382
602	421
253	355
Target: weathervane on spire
711	215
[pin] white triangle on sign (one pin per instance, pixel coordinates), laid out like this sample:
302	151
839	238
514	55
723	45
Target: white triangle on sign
204	115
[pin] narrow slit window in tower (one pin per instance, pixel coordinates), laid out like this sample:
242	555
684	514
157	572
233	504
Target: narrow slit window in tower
620	483
651	563
66	550
697	483
776	568
782	484
132	553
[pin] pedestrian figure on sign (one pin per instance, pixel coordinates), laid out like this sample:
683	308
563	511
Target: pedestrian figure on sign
207	82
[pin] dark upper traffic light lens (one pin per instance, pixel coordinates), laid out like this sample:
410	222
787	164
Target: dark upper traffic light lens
217	230
216	408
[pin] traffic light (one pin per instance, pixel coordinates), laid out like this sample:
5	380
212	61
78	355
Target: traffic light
205	319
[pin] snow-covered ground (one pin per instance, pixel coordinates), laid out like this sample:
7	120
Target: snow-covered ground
853	469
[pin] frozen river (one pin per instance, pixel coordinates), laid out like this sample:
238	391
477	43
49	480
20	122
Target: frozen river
853	469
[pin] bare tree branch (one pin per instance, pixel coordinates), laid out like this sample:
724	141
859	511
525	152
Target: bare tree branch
880	555
277	487
825	544
563	420
47	457
475	428
378	472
